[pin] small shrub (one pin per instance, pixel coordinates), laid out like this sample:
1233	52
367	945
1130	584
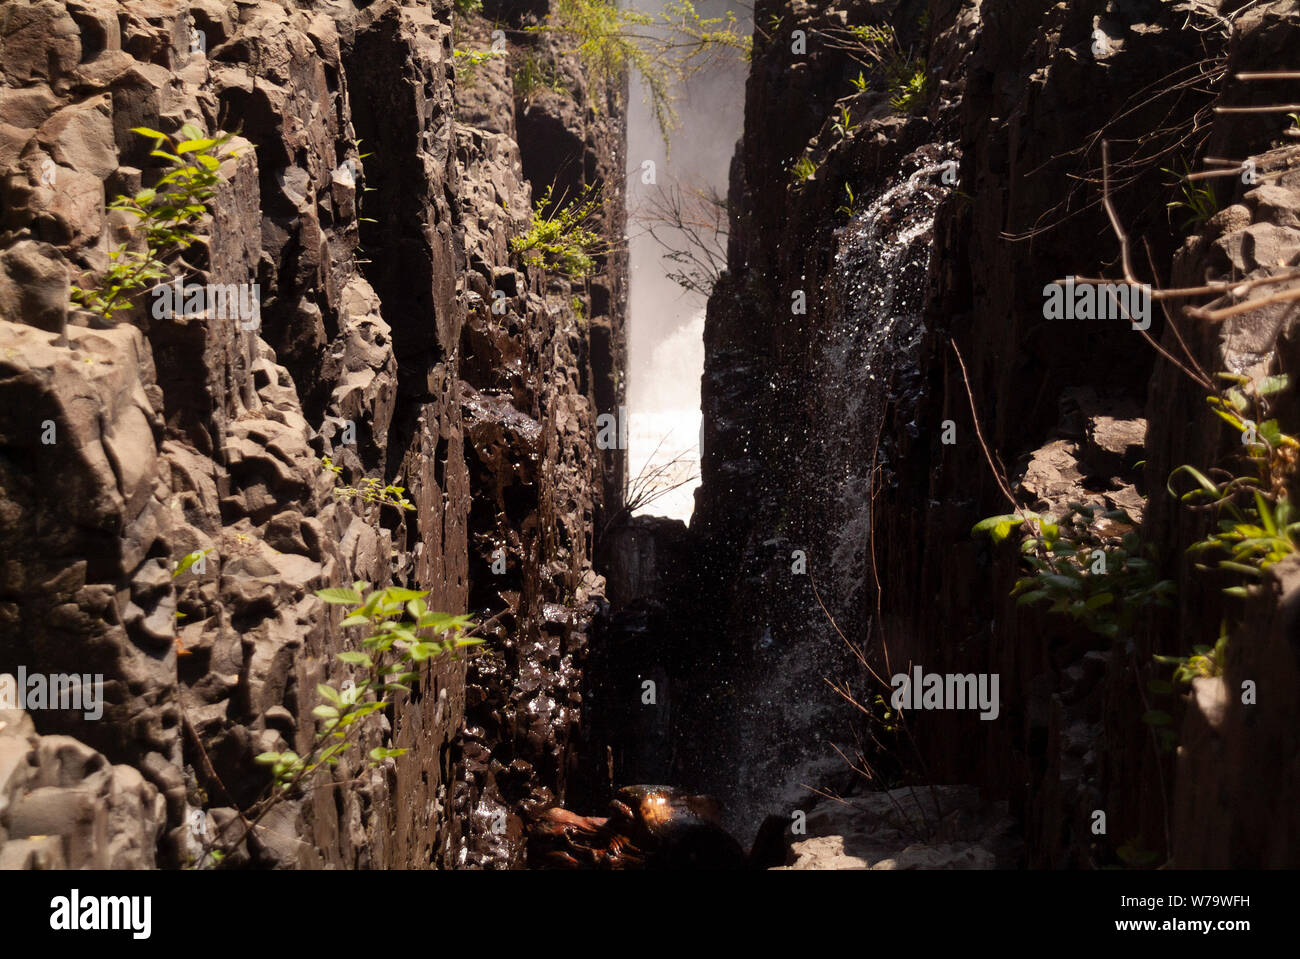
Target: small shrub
1102	580
533	75
559	239
468	61
1199	201
911	90
168	213
1256	524
389	658
804	169
371	490
904	75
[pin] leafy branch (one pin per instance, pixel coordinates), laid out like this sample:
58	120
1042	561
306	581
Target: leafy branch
559	238
403	634
1256	524
1093	569
664	48
168	212
371	490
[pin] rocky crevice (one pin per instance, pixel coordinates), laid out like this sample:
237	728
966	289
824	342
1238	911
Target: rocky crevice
377	347
1020	101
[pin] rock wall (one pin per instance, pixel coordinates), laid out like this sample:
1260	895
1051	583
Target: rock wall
842	469
374	190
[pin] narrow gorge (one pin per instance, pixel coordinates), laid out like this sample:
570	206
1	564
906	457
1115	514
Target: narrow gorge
317	374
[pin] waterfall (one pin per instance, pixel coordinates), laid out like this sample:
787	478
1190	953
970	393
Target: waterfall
787	715
879	287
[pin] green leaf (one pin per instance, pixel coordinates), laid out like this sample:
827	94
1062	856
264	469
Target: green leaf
330	693
149	132
1271	433
1063	582
998	527
189	560
195	145
396	594
357	659
325	712
337	594
1271	385
1206	484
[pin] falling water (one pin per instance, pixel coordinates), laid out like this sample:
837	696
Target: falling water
879	275
788	714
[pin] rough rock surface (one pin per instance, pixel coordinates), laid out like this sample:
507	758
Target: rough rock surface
125	447
842	472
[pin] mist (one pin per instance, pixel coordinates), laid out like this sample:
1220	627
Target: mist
666	322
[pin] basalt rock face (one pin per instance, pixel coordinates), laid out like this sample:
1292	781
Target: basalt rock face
846	345
371	199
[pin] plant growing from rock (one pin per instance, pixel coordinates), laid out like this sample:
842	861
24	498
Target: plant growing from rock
878	48
559	238
389	657
843	124
911	89
664	48
1199	201
1256	524
403	633
533	75
1202	663
804	169
371	490
468	61
168	213
1092	568
850	207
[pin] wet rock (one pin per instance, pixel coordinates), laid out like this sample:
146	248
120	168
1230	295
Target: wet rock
187	434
